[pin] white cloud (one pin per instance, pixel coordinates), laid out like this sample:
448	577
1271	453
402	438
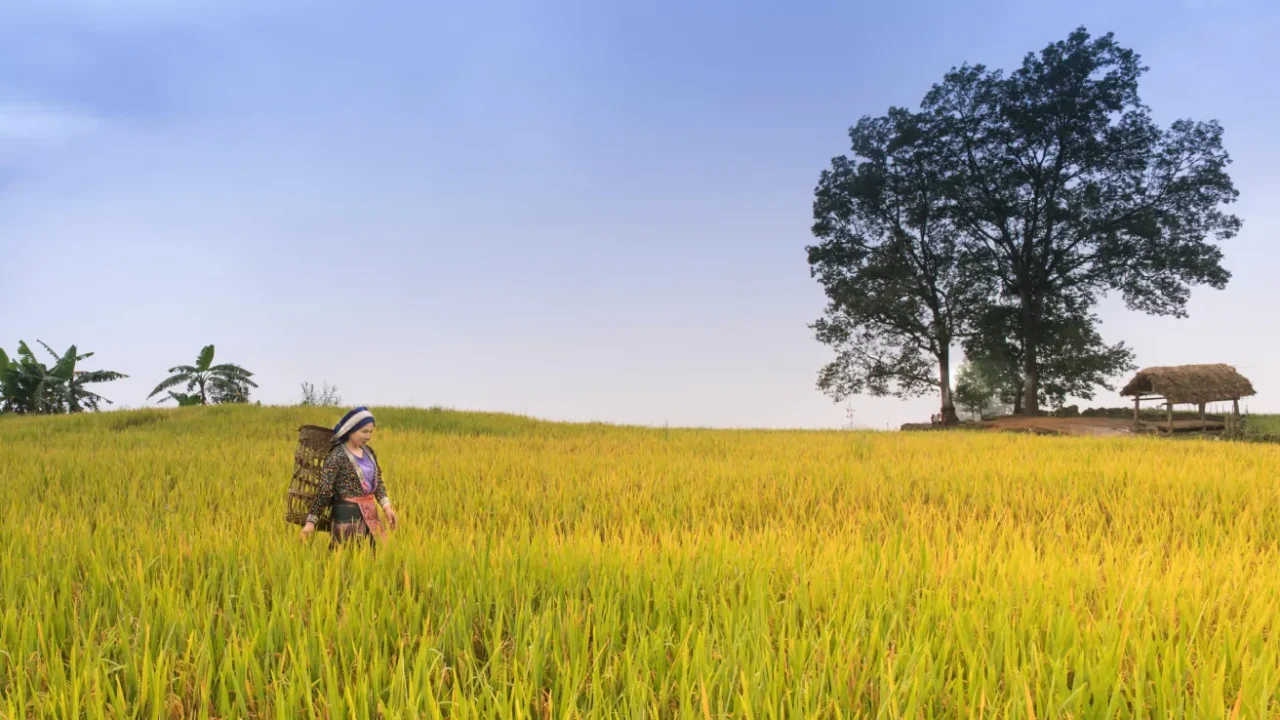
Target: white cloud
23	125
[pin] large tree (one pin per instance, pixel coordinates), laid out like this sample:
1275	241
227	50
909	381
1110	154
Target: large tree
1068	188
890	261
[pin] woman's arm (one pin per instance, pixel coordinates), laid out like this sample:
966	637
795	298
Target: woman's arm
380	491
379	487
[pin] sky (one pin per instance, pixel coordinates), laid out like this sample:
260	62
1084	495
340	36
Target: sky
584	211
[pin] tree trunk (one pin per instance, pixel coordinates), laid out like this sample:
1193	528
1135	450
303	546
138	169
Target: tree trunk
1015	384
949	416
1030	366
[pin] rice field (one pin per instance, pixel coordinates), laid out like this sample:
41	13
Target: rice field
589	571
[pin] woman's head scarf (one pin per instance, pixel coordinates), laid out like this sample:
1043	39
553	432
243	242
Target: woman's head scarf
351	422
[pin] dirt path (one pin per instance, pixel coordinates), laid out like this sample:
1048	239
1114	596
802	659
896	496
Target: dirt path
1065	426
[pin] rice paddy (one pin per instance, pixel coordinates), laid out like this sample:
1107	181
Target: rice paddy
588	571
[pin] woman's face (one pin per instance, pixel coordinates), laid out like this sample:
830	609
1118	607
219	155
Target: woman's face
361	436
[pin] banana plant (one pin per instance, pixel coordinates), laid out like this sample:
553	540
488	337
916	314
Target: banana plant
185	399
8	383
77	395
222	382
29	386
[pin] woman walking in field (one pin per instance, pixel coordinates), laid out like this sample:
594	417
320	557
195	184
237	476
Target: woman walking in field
351	483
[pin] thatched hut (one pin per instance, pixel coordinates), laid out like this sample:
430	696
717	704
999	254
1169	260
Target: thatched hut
1189	385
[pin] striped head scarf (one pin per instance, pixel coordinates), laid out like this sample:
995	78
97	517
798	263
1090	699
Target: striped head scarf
352	421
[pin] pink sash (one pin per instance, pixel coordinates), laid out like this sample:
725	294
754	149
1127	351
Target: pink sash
369	511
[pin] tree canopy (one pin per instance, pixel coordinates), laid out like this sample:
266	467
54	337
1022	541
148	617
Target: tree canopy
890	261
1053	186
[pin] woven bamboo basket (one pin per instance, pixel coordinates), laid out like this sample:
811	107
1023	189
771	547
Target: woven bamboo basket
308	459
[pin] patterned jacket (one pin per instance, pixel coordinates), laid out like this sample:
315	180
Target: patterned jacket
339	479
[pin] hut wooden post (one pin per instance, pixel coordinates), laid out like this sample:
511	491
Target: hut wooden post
1169	410
1235	414
1136	421
1204	424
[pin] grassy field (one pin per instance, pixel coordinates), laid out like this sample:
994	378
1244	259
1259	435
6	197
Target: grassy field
557	571
1263	427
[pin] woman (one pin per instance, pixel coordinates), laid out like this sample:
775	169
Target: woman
351	482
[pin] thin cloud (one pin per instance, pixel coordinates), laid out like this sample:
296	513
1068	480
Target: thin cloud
124	7
126	15
25	124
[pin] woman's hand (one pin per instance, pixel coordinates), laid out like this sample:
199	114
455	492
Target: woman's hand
391	517
307	530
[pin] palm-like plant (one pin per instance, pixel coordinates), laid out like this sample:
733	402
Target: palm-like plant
73	390
184	399
37	384
18	382
28	386
209	379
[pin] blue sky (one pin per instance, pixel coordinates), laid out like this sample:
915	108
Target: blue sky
574	210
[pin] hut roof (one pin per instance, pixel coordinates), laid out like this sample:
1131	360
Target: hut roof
1190	383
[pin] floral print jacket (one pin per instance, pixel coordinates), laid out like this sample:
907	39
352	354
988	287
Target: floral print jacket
339	479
